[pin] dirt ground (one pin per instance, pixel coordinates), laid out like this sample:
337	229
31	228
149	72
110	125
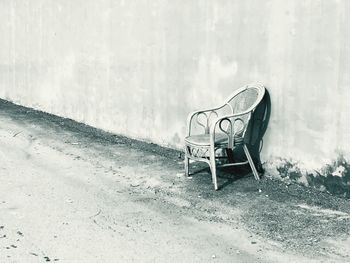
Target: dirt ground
72	193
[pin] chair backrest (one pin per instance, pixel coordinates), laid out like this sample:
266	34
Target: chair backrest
243	101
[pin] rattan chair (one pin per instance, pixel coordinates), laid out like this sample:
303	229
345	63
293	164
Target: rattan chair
214	133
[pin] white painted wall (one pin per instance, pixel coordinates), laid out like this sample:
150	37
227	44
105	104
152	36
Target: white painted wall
139	67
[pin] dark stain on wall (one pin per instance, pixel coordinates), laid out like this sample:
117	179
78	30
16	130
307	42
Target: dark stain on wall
333	178
289	169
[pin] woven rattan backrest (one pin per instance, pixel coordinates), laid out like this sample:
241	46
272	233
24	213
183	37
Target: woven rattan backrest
246	98
243	101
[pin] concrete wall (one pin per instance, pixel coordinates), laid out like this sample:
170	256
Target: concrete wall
138	67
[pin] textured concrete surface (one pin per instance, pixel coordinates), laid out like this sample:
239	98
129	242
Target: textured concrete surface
138	67
71	193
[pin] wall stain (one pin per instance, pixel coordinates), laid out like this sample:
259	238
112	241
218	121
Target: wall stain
333	178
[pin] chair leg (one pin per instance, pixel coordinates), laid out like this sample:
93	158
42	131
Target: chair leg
213	168
187	166
251	163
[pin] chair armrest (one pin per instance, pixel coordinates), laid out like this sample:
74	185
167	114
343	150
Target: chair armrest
231	132
200	112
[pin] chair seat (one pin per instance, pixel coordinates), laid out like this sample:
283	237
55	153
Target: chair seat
204	139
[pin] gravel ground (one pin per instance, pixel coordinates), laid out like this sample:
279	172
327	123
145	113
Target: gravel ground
73	193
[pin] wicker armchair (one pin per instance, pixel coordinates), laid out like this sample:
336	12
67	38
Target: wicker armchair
211	131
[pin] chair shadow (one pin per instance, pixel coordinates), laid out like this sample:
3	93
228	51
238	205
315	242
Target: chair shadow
259	124
233	174
229	174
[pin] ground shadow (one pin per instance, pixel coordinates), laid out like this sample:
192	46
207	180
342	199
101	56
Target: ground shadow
227	175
